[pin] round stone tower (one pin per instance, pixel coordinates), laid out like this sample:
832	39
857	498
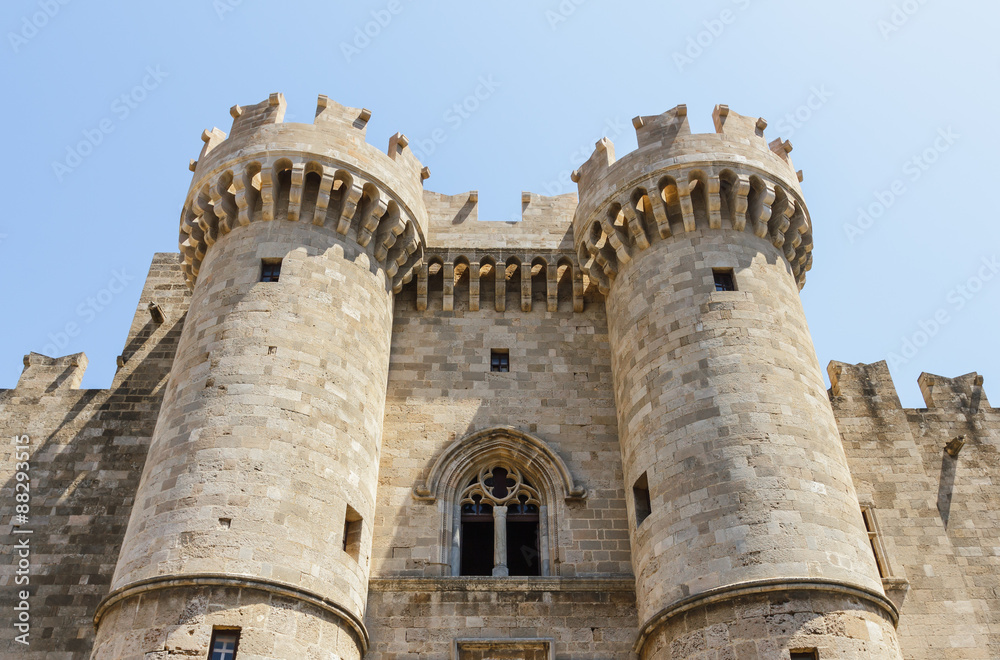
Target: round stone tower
747	536
255	509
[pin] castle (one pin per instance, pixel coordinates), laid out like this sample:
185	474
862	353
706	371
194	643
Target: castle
351	420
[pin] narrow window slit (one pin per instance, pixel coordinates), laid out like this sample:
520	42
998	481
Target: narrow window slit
352	533
640	495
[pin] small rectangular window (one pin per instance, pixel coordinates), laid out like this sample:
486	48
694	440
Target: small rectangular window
270	270
640	496
500	360
352	532
724	279
810	654
225	643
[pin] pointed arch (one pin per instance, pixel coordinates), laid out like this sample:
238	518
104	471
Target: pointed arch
530	452
540	293
511	276
435	282
698	190
282	187
569	287
495	447
670	198
488	283
462	283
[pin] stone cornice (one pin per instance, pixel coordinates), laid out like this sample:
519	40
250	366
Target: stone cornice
615	583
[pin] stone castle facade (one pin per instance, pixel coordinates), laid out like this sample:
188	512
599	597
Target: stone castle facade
351	420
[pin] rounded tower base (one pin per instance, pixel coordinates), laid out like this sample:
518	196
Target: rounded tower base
772	621
162	621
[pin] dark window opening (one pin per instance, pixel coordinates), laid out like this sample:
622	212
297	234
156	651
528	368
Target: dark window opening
640	496
270	270
477	538
224	644
500	361
523	557
352	532
724	279
804	655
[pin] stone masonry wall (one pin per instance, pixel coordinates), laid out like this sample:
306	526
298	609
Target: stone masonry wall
441	388
88	448
585	619
936	514
558	389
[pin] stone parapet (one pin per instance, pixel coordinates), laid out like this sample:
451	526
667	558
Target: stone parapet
323	173
677	182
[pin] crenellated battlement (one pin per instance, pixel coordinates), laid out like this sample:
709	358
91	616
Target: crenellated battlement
963	394
42	372
333	124
677	182
325	173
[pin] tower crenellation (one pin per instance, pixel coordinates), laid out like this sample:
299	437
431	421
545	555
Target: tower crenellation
676	182
323	173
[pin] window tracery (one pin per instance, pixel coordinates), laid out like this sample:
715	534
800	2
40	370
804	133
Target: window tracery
500	523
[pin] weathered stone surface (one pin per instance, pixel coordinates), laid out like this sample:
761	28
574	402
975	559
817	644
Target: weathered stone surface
289	458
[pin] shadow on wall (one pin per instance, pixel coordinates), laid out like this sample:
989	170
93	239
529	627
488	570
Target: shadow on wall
87	452
946	486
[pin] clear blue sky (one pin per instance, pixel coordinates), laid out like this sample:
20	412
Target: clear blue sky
874	85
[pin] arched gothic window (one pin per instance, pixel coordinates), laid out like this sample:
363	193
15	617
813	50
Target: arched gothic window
500	524
499	492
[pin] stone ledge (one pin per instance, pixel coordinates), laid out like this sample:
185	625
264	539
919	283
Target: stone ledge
583	583
247	582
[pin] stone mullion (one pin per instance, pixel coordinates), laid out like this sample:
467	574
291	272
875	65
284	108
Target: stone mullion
500	541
